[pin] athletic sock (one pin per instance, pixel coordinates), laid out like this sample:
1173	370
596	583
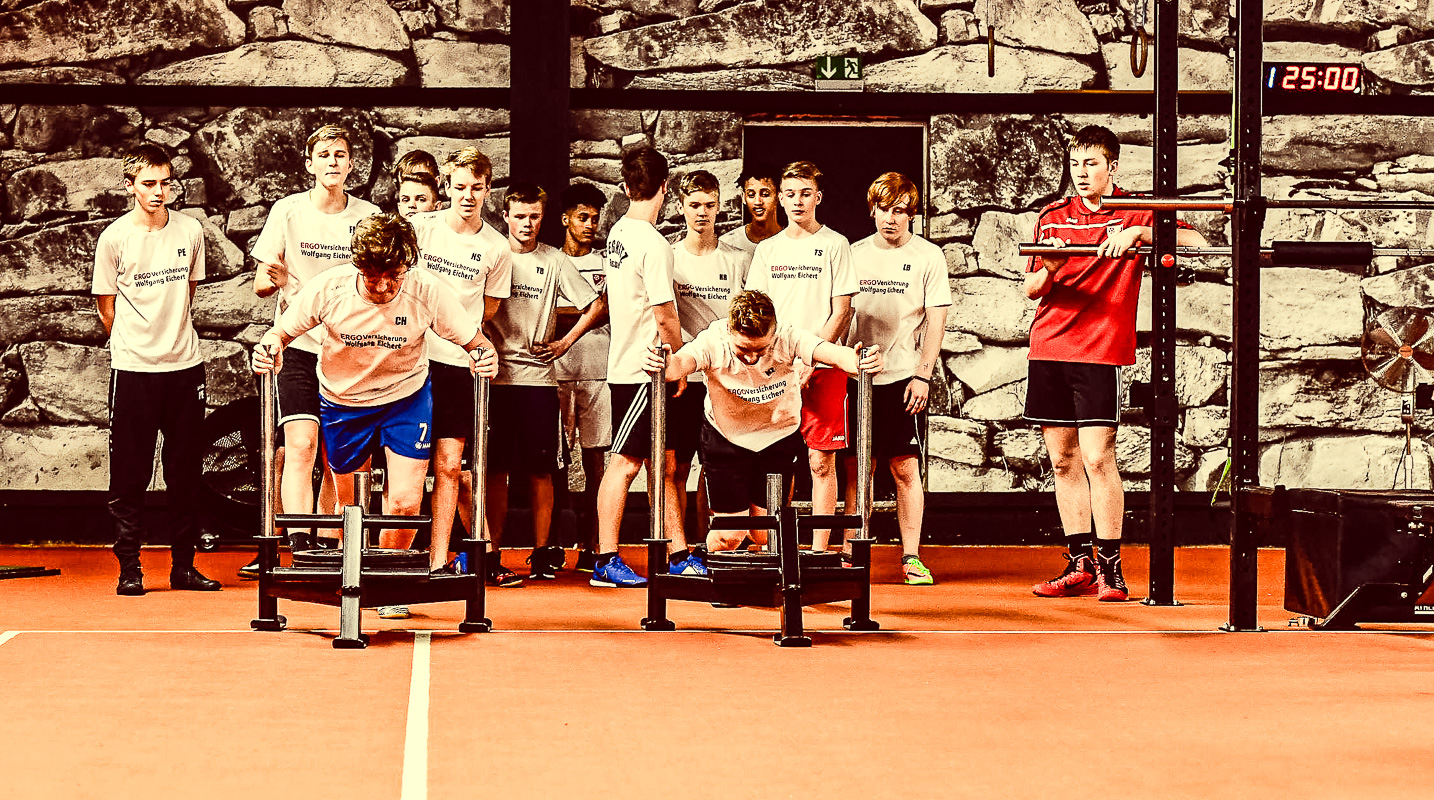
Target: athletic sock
1109	552
602	559
678	557
1081	544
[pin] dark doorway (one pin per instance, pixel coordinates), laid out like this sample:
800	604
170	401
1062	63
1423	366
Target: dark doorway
850	156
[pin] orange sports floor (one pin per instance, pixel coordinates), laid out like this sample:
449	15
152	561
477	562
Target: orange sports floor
973	689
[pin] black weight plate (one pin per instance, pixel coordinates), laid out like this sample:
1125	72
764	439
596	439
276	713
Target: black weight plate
404	560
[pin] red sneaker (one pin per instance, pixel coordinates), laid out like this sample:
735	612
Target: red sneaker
1078	580
1110	584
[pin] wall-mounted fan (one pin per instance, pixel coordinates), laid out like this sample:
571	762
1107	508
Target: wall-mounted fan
1398	354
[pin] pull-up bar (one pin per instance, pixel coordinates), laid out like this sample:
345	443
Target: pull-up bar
1280	253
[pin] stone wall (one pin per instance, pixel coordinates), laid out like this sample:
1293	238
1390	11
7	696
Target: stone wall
265	43
61	186
940	45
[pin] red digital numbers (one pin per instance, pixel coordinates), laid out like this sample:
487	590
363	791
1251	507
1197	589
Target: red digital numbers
1315	77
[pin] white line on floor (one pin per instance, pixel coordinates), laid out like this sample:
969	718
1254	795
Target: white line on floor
7	636
415	739
820	631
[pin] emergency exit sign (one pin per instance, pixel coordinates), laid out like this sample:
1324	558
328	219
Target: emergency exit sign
839	74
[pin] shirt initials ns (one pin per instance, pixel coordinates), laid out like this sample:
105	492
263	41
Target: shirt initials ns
473	266
149	274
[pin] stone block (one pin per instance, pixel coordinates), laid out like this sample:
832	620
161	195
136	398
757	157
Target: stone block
766	34
91	185
474	16
1202	308
1206	427
959	342
1137	130
1201	373
284	63
1132	452
1341	142
987	160
597	124
1343	462
455	122
231	304
1206	475
246	221
69	383
961	259
496	149
959	26
1200	70
267	22
1022	449
994	309
1354	16
945	476
962	69
462	64
222	258
330	22
83	130
959	441
1004	404
1199	167
605	170
945	227
227	374
57	31
699	132
68	318
55	457
996	240
1303	307
54	260
725	80
1330	395
988	368
1057	25
1409	65
605	148
60	76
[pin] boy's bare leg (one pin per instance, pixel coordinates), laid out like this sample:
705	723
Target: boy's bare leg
403	496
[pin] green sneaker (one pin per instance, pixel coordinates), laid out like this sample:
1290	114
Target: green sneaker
916	572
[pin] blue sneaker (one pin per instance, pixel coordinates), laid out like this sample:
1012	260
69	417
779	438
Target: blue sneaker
616	573
692	565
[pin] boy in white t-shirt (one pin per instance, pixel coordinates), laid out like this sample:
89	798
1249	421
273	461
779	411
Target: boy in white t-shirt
472	260
304	235
757	187
706	273
583	395
373	373
807	272
417	193
152	259
527	431
644	311
902	307
754	365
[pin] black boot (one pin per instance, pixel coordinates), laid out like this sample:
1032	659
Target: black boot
188	579
131	582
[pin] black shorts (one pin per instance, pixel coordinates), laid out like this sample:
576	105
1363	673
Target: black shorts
1067	394
298	387
525	431
632	419
452	401
684	422
737	477
894	433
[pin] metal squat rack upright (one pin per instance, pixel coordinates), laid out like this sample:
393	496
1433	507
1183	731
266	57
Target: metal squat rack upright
361	578
781	575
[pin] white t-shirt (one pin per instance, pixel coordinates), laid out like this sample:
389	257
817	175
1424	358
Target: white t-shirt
149	274
704	286
803	275
638	266
308	242
530	314
472	265
757	406
897	284
737	237
587	360
374	354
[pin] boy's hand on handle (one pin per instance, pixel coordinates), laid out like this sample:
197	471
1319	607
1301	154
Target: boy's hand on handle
872	361
1053	263
267	358
483	362
654	363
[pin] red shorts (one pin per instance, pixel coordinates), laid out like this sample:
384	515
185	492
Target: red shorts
824	410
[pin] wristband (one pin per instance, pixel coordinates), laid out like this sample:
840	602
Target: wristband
926	381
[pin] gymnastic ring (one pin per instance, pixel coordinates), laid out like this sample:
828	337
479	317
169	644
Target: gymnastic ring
990	51
1141	42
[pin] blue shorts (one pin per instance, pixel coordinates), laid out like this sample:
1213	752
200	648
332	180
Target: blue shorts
403	426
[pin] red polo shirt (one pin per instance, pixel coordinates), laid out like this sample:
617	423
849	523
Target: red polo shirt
1089	314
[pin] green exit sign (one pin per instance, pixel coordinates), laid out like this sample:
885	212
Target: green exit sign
838	74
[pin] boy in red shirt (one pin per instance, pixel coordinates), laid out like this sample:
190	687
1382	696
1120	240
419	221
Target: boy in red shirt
1084	331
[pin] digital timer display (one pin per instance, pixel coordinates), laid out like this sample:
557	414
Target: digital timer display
1323	78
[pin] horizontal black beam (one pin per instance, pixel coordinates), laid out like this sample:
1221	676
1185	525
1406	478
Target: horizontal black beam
260	96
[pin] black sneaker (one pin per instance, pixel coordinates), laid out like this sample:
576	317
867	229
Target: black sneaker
250	571
545	562
587	559
499	575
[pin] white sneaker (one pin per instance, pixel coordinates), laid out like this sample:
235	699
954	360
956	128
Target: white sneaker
393	612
